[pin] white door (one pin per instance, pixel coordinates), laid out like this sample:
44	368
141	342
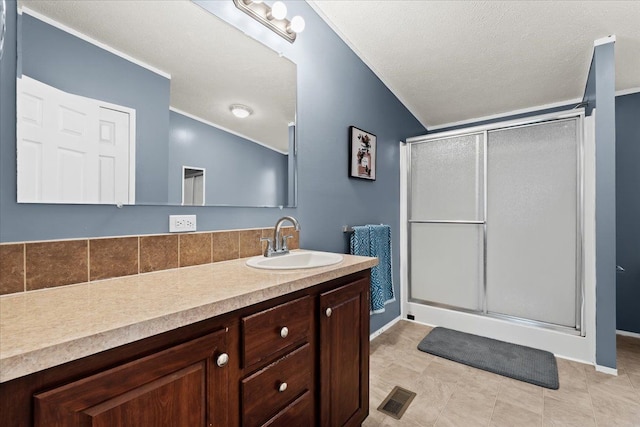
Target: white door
72	149
113	157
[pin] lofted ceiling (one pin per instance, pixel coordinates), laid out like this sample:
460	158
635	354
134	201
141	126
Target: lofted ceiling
454	61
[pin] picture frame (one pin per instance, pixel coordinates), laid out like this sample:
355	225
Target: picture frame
362	154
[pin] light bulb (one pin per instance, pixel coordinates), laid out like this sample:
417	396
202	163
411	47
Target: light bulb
278	10
240	111
297	24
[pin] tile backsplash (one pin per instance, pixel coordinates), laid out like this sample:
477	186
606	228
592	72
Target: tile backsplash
38	265
11	269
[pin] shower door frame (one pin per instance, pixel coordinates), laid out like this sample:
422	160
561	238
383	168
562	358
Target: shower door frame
578	115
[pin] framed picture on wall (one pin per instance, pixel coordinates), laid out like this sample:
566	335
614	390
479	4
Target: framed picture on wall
362	154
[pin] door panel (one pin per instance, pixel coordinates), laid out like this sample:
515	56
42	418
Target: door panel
113	152
447	179
168	388
446	264
71	149
532	222
344	355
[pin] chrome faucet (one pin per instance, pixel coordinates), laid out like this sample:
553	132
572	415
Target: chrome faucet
278	245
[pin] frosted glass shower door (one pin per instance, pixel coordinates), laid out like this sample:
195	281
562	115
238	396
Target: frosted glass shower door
446	221
532	222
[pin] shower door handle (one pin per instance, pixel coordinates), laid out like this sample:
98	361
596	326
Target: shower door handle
620	269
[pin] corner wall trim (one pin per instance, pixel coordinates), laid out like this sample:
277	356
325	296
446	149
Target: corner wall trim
607	370
627	333
527	110
605	40
91	40
627	91
384	328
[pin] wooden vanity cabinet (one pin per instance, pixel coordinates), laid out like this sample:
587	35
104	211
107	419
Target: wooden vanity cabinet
181	386
278	360
344	354
301	359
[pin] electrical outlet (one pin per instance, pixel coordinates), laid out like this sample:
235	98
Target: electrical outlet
181	223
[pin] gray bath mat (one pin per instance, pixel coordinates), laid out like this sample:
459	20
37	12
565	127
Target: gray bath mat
511	360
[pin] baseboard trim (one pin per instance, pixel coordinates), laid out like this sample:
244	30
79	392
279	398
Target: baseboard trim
573	359
607	370
627	333
384	328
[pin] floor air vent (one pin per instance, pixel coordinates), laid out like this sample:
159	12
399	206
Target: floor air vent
396	402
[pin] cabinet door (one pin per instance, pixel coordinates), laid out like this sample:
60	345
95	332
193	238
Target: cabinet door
180	386
344	355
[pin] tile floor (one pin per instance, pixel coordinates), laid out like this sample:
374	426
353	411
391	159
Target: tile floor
452	394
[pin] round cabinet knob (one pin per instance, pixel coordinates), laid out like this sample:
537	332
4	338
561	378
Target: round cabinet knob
282	387
222	360
284	332
328	312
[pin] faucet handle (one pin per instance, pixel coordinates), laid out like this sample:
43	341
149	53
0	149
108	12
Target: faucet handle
285	246
269	250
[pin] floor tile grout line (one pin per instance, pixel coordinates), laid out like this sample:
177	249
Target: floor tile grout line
593	409
544	393
445	403
495	401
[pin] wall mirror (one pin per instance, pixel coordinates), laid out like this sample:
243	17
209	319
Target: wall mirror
117	100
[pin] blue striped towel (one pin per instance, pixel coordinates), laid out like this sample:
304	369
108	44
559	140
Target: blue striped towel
375	241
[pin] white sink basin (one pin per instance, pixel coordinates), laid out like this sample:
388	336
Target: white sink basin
294	260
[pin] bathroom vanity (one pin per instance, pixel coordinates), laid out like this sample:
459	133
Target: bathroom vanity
219	344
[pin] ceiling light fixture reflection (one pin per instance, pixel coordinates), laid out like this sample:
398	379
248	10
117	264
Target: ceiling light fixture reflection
297	24
274	17
278	11
240	111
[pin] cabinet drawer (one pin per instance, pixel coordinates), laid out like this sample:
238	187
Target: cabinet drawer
298	413
270	331
271	389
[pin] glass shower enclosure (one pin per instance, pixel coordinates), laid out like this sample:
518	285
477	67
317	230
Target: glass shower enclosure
495	219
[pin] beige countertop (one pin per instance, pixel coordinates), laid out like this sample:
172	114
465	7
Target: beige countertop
45	328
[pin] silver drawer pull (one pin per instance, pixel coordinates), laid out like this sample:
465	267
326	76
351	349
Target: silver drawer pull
282	387
222	360
328	312
284	332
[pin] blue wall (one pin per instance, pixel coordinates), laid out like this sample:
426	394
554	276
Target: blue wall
68	63
335	90
628	211
604	62
238	172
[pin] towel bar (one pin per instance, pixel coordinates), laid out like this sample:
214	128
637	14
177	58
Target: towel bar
347	229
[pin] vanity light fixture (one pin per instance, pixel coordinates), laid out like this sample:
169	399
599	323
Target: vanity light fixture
278	11
240	111
296	25
273	17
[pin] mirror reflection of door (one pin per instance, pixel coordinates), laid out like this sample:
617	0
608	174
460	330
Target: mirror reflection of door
192	186
73	149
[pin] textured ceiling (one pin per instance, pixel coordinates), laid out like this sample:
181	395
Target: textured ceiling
212	64
452	61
